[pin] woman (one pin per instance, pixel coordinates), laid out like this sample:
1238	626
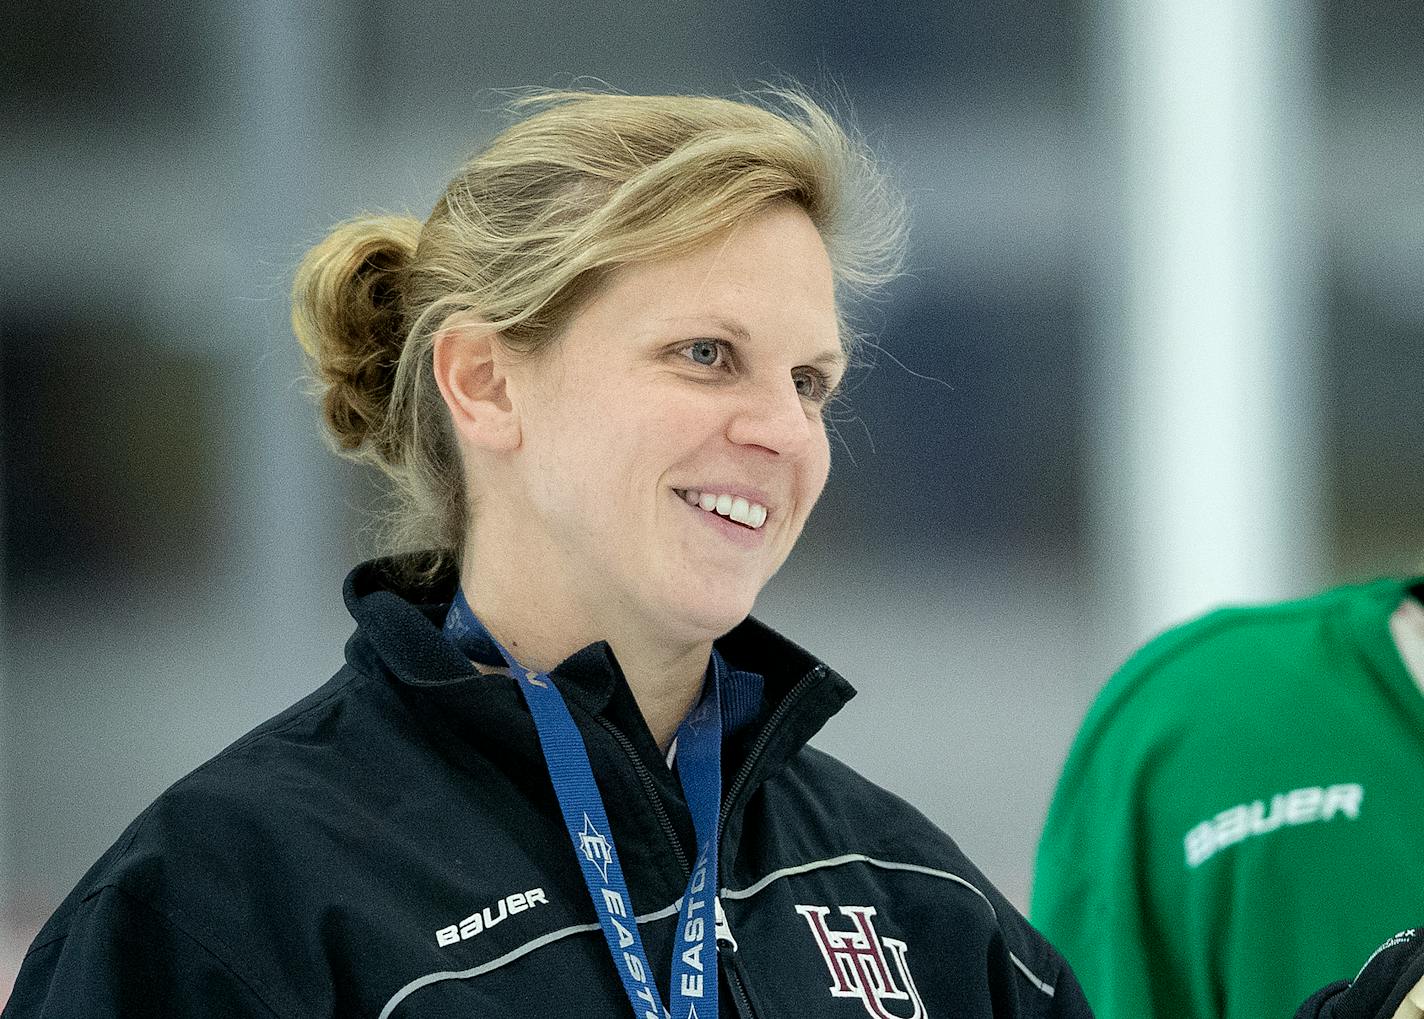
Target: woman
562	771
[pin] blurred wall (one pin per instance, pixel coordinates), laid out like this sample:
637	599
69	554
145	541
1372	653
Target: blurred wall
175	533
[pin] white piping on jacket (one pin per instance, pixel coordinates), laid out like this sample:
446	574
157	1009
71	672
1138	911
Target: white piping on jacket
510	956
914	868
672	908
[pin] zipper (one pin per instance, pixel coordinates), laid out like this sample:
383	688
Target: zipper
763	738
651	790
731	966
729	961
728	958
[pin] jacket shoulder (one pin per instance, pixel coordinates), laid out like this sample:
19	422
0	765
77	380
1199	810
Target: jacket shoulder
122	957
227	819
847	808
847	824
194	881
842	810
1233	664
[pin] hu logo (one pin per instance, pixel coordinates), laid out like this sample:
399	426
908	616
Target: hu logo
860	960
595	847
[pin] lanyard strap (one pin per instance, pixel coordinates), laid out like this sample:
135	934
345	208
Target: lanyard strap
699	765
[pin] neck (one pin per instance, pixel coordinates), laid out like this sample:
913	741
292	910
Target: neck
540	629
665	688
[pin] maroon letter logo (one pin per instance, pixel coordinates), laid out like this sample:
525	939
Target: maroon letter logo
859	964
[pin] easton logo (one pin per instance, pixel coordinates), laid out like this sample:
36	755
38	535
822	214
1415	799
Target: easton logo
595	847
860	962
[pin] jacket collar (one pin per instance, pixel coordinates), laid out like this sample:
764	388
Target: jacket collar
398	635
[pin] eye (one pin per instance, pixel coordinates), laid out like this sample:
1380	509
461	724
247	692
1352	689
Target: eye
812	384
705	352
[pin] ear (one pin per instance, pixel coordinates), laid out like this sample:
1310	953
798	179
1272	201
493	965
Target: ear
471	373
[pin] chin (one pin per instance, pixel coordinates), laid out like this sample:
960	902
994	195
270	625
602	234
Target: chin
708	618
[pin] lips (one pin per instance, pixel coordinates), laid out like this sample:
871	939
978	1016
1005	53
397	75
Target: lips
734	507
742	535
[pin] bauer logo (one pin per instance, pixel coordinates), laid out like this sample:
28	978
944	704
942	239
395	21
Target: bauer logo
483	919
864	965
1248	820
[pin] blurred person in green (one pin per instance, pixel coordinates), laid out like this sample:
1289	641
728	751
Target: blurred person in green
1238	819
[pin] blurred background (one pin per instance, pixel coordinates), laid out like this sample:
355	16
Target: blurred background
1158	348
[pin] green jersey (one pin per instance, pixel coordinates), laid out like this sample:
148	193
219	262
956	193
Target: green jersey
1241	818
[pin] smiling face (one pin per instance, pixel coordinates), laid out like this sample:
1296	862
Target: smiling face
691	382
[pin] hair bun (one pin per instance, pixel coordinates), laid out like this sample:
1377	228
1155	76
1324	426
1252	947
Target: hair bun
348	315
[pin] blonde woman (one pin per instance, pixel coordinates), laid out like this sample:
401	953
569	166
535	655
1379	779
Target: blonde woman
563	772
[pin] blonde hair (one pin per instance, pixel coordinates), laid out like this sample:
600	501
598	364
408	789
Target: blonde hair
525	232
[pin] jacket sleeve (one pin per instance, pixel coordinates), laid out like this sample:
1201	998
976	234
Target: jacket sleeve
1091	896
1390	984
1069	1001
119	957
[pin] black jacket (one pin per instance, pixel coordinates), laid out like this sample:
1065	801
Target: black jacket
391	846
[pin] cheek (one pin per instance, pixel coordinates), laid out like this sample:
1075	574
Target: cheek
579	428
669	428
818	468
567	470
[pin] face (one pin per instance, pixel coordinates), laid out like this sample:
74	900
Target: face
672	443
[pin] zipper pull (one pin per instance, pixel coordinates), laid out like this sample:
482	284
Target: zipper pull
724	929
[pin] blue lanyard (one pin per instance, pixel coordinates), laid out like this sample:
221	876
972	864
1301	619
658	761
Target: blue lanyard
699	763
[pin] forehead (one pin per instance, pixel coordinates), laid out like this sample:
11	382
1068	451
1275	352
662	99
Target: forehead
769	277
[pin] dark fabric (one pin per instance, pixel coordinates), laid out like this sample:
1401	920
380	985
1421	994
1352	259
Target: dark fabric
1380	988
391	846
145	964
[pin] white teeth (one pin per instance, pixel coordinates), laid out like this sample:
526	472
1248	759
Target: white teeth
735	507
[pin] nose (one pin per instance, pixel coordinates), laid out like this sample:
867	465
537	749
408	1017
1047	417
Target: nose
771	414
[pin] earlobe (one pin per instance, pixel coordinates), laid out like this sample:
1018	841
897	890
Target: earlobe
472	379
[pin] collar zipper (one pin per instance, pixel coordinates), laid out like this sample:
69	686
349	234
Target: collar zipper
727	948
773	723
650	789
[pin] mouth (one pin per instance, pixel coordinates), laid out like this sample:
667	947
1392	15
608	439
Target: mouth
751	515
